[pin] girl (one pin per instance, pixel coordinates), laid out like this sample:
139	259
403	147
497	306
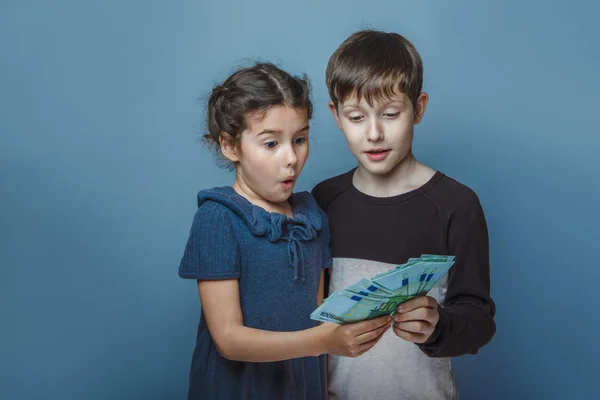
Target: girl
258	252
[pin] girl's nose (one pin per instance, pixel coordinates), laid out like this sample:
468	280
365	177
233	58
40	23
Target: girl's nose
291	157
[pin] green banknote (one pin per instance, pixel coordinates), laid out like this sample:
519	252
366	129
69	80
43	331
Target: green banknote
381	295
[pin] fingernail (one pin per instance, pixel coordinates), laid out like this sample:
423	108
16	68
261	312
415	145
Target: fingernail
400	308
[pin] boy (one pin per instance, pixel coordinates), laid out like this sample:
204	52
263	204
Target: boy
390	208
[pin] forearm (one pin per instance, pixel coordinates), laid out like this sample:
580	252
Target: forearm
466	322
241	343
463	328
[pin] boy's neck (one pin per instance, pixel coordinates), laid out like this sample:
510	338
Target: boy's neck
408	175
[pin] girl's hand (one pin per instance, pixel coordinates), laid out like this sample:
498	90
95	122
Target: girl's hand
415	320
353	340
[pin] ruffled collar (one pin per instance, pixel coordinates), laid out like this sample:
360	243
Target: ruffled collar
306	222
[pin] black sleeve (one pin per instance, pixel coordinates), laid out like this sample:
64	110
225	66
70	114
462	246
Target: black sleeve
467	316
324	193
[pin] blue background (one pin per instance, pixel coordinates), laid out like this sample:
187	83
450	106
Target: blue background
100	161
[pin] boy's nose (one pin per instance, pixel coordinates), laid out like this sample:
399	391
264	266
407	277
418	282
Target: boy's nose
375	132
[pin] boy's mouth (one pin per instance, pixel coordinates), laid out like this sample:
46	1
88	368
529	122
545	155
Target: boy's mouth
377	154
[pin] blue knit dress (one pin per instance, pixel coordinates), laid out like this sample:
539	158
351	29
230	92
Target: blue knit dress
278	261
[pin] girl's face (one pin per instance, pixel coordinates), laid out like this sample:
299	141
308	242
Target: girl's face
270	156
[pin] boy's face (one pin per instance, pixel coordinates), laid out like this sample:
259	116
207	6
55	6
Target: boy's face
380	136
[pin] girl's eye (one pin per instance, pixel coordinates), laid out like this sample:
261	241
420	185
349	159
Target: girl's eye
271	145
391	115
299	140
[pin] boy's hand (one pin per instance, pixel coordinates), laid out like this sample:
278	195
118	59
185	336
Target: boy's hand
415	320
353	340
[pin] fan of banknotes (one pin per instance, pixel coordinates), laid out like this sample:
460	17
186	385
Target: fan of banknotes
383	293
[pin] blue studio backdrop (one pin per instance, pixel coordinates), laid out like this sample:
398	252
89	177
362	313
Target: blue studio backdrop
100	162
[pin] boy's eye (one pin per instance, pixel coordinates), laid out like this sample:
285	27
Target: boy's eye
391	115
270	145
356	118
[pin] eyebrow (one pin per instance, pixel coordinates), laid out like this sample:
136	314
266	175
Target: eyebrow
382	104
278	132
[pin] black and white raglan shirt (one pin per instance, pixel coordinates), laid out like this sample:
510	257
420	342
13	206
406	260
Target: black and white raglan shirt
370	235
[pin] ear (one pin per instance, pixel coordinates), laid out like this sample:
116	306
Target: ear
228	147
420	107
334	112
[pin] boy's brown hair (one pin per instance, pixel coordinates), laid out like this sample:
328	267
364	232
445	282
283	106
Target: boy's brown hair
374	65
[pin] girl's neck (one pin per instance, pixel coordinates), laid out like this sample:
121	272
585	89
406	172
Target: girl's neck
246	192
